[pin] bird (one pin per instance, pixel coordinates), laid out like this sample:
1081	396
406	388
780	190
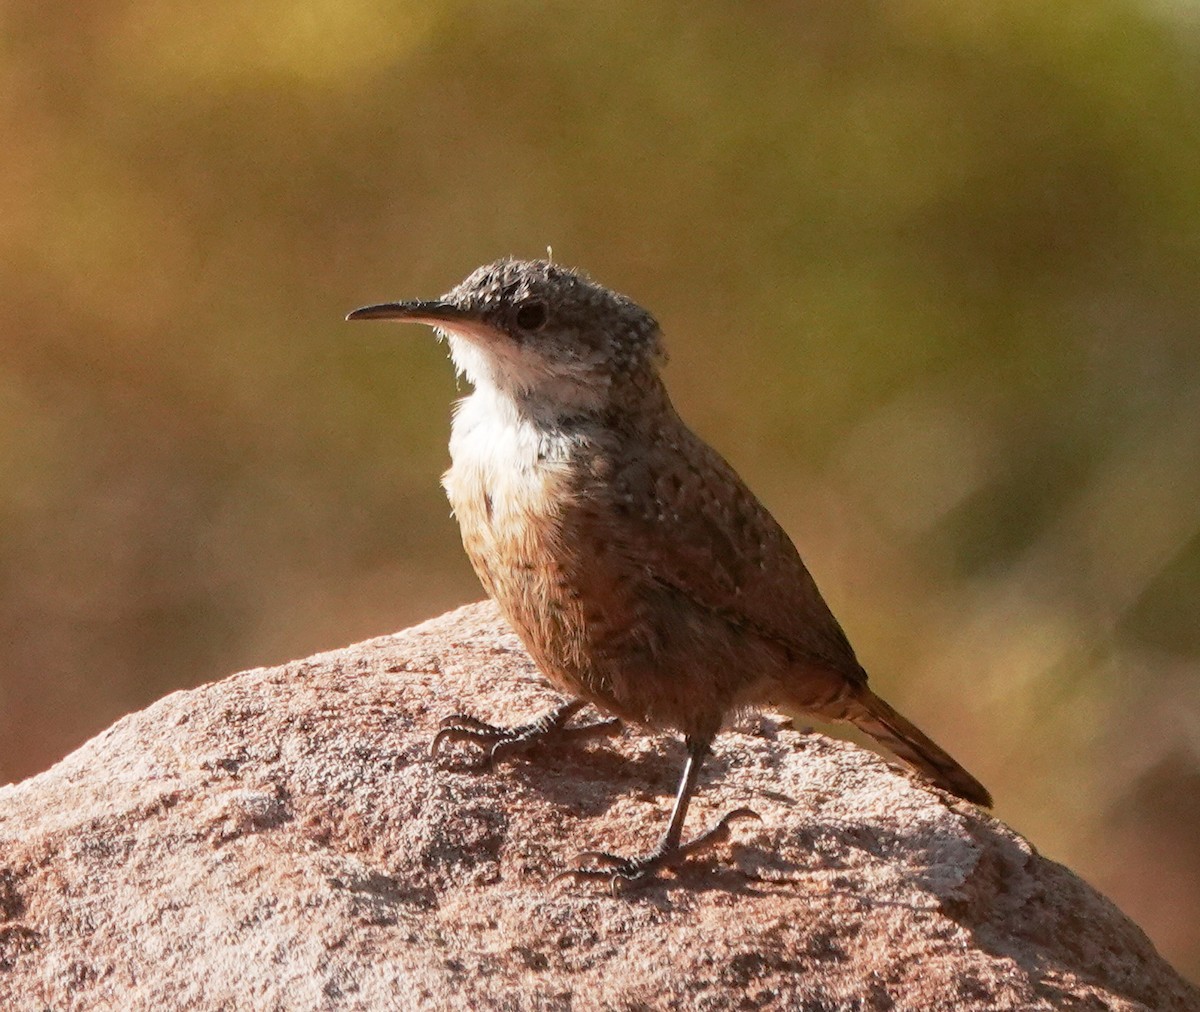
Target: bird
636	566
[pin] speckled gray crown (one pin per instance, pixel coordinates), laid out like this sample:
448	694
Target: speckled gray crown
574	301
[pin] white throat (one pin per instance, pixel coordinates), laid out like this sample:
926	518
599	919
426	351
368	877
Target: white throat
518	380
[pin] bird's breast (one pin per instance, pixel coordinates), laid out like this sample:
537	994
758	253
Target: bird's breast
508	484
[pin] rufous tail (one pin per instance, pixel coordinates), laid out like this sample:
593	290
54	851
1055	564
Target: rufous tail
901	736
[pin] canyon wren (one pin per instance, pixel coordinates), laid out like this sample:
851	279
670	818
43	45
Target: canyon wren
638	569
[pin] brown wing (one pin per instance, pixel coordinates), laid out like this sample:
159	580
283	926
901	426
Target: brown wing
688	522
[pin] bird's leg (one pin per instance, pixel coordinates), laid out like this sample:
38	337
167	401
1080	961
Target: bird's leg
499	742
670	851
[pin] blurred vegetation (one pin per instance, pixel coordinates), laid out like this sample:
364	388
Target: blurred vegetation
928	272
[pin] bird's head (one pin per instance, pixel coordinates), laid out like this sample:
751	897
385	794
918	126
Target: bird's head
542	334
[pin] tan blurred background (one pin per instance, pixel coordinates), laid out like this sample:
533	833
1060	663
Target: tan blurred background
928	272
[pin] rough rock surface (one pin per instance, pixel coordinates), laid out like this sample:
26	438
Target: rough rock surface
280	840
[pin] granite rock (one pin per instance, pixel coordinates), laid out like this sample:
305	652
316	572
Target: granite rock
281	840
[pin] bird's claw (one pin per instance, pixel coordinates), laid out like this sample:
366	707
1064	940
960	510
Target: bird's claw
634	871
464	727
499	742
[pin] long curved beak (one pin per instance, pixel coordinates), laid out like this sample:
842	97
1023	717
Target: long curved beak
432	312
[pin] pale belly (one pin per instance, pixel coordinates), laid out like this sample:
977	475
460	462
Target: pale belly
509	492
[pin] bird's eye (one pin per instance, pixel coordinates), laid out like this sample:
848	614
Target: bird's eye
531	315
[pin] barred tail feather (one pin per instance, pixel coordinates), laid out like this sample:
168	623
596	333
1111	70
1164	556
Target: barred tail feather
914	747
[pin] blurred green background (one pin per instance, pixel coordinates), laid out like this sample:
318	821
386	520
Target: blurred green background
928	273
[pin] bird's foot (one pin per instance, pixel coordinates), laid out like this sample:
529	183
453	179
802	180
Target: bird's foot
631	872
500	742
